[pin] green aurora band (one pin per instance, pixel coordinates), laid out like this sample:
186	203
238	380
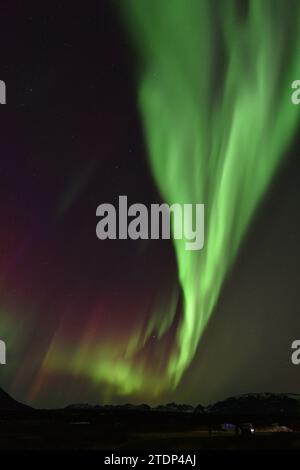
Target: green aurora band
214	87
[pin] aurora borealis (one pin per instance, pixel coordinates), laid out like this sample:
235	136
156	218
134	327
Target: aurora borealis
215	142
177	102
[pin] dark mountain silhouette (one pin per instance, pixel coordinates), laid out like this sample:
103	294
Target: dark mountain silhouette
7	403
169	407
252	403
259	404
249	404
175	408
199	409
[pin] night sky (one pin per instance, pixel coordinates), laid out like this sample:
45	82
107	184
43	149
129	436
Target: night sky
82	318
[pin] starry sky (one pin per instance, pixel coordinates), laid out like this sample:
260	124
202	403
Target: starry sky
89	321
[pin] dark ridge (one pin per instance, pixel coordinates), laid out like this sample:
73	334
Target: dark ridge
7	403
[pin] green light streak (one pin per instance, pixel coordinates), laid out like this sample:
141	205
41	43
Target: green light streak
214	93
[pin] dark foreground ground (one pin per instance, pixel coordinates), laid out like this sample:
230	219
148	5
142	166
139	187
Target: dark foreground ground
95	430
